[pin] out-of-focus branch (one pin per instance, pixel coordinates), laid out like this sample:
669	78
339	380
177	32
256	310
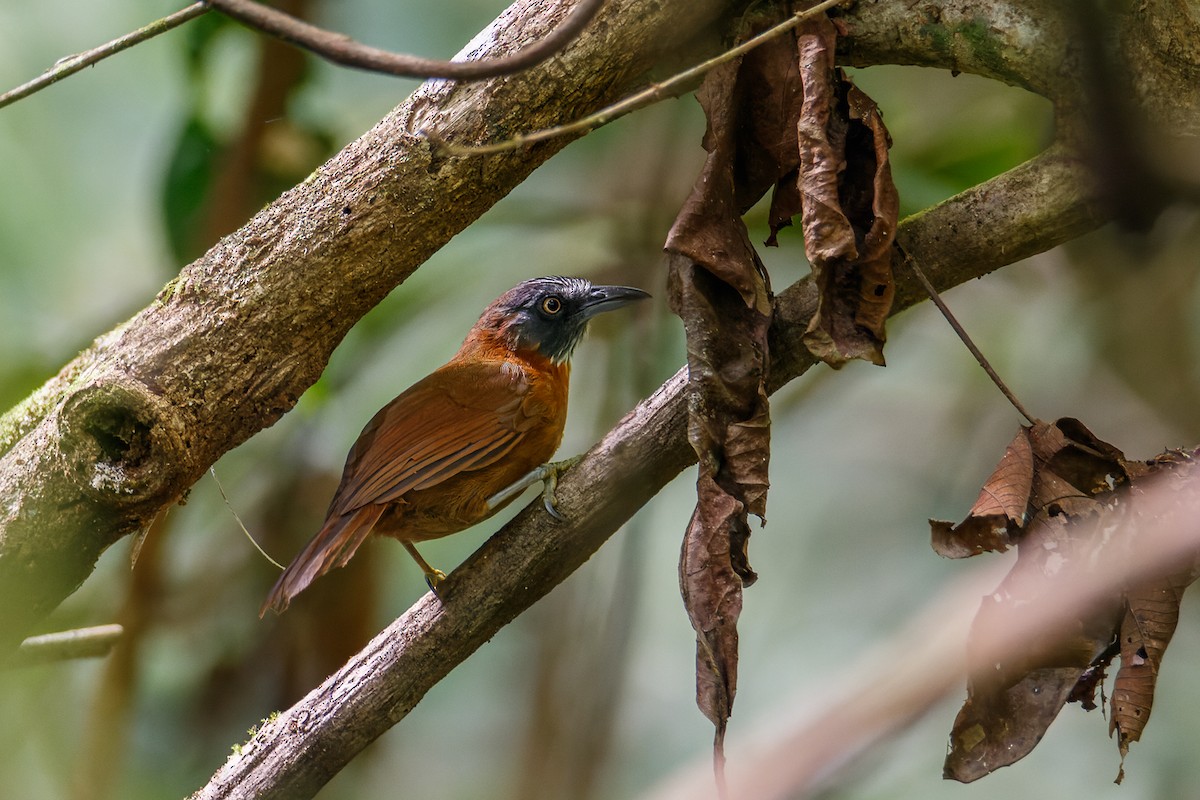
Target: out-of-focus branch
65	645
345	51
926	659
69	65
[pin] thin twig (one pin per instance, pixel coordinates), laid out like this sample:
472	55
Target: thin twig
64	645
69	65
719	781
651	94
213	471
966	339
345	51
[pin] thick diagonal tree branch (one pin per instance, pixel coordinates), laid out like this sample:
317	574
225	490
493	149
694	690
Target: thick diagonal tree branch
294	755
227	348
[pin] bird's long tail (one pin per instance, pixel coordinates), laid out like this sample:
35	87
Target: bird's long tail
332	547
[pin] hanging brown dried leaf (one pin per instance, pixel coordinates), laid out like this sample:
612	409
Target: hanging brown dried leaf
720	290
729	421
979	744
850	204
999	512
1011	701
1072	465
1083	499
1150	618
712	594
718	286
729	427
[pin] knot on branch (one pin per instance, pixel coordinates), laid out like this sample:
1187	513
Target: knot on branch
121	443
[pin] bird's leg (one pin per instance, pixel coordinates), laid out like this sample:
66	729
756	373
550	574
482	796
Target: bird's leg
432	576
548	474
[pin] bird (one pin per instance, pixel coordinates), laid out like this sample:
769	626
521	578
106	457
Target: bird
463	442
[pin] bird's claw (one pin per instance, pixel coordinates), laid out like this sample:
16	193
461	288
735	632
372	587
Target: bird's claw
550	485
433	579
548	474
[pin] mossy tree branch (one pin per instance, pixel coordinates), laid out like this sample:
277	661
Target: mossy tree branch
231	344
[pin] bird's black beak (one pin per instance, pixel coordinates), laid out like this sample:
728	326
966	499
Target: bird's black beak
606	298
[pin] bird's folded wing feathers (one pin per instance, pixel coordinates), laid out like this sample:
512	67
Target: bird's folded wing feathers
436	430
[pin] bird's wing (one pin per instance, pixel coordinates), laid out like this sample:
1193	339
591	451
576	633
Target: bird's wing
462	417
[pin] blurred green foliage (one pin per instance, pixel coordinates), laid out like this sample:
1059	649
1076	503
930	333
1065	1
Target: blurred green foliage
590	694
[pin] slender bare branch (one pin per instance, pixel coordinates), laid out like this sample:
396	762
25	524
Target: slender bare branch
651	94
348	53
69	65
966	339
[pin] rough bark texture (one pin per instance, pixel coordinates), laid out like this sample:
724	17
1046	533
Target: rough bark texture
232	343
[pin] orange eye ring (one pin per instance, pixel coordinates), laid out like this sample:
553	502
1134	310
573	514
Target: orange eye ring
552	305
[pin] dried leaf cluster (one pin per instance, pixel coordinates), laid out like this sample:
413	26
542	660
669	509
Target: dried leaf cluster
781	118
1070	504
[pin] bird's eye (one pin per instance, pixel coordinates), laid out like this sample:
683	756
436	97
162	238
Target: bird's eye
552	305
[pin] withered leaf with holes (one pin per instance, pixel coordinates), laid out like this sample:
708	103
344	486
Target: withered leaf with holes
1151	614
999	512
1082	499
849	203
1011	701
720	289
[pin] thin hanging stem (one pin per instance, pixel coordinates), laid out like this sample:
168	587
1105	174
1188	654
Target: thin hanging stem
966	339
719	764
213	471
